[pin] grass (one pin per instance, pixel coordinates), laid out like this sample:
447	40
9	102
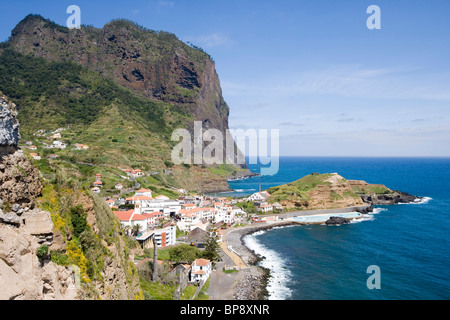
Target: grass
188	292
156	291
298	189
230	271
203	295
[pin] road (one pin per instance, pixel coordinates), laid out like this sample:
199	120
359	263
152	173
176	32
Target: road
220	283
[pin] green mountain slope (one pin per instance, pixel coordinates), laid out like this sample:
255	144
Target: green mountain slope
121	90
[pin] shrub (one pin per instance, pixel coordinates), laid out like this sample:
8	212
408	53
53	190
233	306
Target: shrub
78	218
42	252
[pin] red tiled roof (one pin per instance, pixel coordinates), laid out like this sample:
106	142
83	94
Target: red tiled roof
126	215
202	262
200	272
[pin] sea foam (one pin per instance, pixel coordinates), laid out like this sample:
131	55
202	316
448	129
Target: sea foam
280	275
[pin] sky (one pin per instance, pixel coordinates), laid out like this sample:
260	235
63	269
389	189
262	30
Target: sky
311	69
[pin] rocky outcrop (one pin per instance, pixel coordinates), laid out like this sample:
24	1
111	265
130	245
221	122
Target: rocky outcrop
9	126
336	221
395	197
19	180
378	194
24	276
24	228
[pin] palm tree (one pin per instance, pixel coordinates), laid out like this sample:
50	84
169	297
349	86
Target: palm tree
136	229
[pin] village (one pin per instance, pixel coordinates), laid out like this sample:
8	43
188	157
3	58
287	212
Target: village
160	221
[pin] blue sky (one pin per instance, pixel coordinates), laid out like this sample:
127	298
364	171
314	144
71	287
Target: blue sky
309	68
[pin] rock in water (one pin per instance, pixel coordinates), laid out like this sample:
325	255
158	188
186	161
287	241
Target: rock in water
334	221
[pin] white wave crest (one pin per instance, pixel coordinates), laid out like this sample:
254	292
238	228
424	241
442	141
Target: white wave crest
280	276
424	200
378	210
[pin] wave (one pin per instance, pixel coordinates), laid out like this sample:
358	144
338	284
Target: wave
378	210
280	276
243	190
424	200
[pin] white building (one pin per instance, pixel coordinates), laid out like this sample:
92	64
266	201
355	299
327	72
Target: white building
259	196
59	144
200	270
143	193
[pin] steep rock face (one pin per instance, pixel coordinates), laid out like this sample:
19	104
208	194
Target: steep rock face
19	179
155	65
23	276
23	228
9	126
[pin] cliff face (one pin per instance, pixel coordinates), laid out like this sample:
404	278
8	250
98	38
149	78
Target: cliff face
155	65
27	272
19	179
23	228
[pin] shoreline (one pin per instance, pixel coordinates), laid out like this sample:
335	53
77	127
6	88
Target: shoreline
253	285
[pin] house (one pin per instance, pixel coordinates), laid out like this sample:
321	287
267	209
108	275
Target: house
79	146
265	208
32	147
197	237
200	270
130	219
29	143
162	197
119	186
110	203
53	156
277	206
35	156
96	190
56	136
137	173
188	206
144	193
187	221
259	196
59	144
98	184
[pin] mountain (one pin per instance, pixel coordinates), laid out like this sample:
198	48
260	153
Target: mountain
122	90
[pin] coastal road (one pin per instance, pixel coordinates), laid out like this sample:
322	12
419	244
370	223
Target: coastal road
221	285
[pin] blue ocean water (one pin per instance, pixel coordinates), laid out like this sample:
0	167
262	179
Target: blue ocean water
410	243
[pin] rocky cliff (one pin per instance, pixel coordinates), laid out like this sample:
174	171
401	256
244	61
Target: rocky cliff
24	228
31	238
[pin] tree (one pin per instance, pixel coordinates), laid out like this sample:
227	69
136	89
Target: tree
212	247
184	254
78	219
136	229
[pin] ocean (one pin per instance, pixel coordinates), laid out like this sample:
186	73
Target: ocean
409	243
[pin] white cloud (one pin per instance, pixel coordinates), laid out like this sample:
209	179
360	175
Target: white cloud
211	40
